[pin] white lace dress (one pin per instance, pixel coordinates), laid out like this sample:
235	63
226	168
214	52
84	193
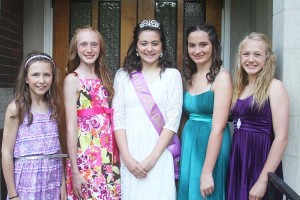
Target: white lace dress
141	135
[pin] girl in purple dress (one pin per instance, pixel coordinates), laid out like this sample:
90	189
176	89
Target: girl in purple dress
260	111
31	159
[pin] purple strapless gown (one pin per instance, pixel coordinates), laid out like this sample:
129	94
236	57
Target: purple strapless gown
251	143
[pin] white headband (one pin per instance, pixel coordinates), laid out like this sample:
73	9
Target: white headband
38	56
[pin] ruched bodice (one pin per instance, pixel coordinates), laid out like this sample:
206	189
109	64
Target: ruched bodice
251	143
195	138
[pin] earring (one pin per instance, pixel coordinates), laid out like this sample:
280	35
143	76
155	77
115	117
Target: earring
161	54
137	54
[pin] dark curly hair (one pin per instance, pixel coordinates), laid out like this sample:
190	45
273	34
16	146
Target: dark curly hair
190	66
133	62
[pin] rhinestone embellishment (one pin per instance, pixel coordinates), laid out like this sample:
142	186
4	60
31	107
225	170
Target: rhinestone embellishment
239	123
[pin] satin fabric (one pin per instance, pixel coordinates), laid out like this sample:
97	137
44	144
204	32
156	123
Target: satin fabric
251	143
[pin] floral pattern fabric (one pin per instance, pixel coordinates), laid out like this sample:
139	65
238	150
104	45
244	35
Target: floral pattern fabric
97	158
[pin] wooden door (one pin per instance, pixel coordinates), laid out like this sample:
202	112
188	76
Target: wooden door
116	19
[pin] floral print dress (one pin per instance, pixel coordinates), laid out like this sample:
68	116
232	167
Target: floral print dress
97	159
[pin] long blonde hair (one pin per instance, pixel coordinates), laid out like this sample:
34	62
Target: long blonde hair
264	77
100	65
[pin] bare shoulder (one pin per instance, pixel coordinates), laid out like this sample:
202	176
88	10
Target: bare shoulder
277	89
71	78
12	109
276	85
223	76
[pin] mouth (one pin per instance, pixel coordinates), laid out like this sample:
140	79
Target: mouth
89	56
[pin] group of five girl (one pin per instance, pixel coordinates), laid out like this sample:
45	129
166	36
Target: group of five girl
138	117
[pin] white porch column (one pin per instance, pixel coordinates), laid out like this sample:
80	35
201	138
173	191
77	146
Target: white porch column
286	43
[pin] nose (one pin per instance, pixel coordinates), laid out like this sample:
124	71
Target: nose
251	57
198	49
89	47
149	48
41	79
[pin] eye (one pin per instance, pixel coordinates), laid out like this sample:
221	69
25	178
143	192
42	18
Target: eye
191	45
245	54
203	44
83	44
257	55
155	44
94	44
144	43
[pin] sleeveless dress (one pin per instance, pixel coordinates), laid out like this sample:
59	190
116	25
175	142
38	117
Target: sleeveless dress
37	175
195	136
142	136
251	143
97	154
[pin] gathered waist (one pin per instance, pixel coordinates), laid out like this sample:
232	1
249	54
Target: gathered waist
93	111
35	157
200	117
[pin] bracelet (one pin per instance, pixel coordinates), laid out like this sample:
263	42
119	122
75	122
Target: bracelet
14	197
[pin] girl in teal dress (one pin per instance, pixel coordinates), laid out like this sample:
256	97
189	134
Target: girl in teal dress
206	136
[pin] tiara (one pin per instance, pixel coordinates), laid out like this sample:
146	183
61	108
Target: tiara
38	56
150	23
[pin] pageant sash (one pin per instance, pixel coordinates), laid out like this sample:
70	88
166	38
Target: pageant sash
155	115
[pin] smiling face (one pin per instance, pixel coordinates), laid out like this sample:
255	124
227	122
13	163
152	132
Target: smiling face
149	47
253	56
88	47
200	48
39	78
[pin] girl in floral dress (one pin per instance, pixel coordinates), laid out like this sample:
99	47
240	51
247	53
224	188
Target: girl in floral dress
93	165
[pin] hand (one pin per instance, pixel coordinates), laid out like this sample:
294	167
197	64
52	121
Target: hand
206	185
63	193
148	163
78	181
258	190
135	168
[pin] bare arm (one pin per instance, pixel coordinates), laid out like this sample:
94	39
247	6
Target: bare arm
280	109
223	90
71	89
9	139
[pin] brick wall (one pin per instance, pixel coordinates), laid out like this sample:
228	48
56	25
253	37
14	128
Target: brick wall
11	40
11	53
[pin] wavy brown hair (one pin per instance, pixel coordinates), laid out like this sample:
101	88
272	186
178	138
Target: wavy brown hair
263	79
100	65
190	66
22	95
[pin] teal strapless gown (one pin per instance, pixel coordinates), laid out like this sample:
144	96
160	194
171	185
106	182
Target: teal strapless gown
195	137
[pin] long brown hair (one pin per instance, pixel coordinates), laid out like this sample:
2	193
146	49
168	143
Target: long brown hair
100	66
22	95
190	65
263	79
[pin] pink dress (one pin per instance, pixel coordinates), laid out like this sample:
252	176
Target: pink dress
97	153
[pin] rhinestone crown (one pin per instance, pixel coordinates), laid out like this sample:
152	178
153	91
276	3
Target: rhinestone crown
150	23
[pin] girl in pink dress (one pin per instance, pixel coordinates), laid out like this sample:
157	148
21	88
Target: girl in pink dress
93	165
31	159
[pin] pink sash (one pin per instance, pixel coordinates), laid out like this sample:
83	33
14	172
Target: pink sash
155	115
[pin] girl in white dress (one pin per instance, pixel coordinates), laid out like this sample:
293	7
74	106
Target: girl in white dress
147	169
